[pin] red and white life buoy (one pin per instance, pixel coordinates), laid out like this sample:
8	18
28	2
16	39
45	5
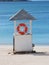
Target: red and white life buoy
25	28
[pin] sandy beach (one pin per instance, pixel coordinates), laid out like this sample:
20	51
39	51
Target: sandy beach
41	57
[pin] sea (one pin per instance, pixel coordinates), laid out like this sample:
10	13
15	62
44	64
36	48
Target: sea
40	26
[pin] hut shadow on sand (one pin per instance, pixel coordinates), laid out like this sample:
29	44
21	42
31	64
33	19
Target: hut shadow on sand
41	54
34	53
31	53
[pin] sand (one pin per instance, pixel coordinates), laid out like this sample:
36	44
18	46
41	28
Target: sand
39	58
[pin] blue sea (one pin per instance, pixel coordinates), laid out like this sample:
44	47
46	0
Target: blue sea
40	26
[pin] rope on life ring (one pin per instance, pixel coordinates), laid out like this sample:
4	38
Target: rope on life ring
25	28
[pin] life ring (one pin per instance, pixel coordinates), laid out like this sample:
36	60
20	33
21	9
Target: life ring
25	28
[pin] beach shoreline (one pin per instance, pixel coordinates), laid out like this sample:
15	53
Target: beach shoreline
39	58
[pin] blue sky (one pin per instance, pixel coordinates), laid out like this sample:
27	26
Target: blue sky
40	27
38	0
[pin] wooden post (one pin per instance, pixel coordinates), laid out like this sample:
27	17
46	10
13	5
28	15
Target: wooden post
30	26
14	36
14	27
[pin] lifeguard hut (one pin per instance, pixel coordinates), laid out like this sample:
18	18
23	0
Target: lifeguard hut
22	39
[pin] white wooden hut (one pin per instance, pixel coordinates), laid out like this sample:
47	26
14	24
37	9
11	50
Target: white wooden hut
22	42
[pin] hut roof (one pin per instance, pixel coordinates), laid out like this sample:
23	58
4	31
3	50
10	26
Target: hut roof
22	15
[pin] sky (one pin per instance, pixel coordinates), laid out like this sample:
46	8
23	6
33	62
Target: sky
24	0
39	0
40	28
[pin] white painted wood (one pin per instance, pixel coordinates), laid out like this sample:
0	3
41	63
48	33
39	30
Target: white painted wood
23	43
30	26
15	27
